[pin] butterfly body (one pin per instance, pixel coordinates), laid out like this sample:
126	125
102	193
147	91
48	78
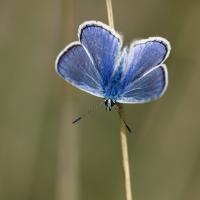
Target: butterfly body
97	64
114	86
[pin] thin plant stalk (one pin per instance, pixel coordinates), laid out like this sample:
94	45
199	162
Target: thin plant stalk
125	158
123	136
110	13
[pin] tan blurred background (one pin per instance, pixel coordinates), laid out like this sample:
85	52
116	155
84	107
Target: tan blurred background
44	157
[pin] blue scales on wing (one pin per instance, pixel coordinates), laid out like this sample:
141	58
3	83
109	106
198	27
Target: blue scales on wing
76	67
97	65
104	45
145	76
148	87
89	63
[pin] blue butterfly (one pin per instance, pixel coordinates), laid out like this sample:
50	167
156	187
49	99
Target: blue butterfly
98	64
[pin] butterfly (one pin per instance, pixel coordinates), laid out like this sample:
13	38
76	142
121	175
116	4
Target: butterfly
98	64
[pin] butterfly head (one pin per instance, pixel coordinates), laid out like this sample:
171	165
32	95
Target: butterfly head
109	104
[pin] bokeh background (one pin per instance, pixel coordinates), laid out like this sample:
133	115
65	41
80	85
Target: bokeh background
44	157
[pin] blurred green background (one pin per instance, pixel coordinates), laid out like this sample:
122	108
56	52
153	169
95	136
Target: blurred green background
44	157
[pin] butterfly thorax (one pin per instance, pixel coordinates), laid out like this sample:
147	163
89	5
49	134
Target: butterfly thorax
113	87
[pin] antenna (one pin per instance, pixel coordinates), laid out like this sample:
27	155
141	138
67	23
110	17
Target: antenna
94	108
91	110
127	127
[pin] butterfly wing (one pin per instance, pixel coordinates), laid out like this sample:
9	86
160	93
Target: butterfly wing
147	88
145	78
103	44
89	63
75	66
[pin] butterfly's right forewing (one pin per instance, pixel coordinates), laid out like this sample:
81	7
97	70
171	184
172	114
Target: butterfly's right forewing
89	63
103	44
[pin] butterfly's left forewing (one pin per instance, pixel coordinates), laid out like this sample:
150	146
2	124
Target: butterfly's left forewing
145	77
146	54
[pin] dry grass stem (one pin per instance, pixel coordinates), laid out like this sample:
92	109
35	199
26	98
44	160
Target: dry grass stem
125	158
110	13
124	144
